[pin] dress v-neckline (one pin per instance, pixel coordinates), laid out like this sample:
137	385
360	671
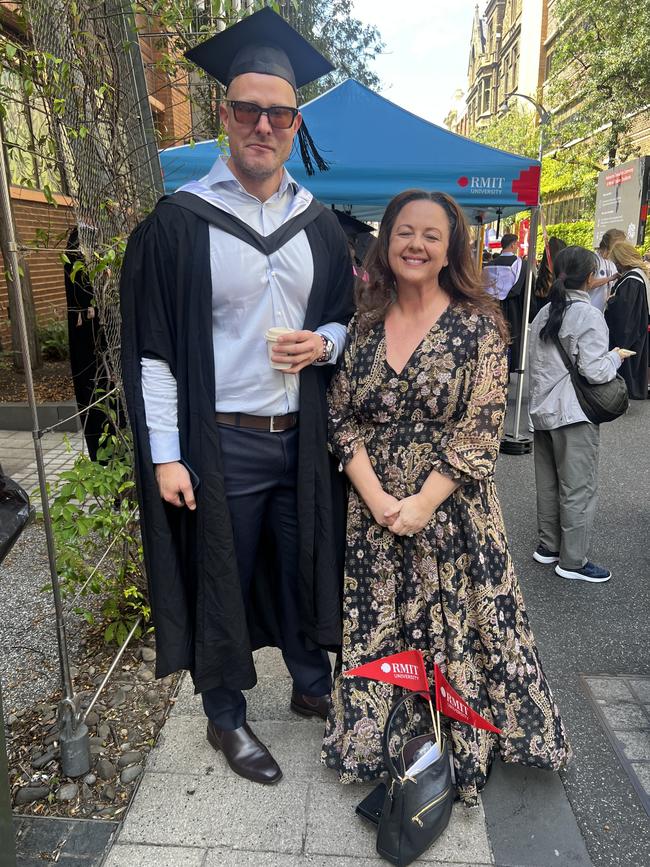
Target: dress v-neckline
417	348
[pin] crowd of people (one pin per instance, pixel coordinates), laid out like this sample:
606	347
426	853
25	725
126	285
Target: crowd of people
315	459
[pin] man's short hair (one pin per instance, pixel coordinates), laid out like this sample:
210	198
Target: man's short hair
507	240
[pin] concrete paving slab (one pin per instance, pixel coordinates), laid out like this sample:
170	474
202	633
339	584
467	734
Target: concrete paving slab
186	810
624	716
333	828
268	700
635	744
268	661
187	704
183	748
529	819
154	856
642	688
611	689
642	770
222	858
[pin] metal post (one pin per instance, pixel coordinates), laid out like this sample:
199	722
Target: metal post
75	752
514	443
7	836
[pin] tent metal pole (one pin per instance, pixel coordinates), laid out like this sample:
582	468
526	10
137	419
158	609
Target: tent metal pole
75	754
514	443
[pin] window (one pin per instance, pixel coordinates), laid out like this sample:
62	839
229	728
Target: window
32	152
486	96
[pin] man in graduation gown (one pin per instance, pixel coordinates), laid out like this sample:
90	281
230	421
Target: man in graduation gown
241	505
513	303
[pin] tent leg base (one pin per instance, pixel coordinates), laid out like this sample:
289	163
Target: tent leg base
512	445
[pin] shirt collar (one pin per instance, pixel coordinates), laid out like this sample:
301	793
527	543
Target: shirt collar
220	173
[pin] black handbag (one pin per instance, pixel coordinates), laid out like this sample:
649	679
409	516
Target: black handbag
416	810
15	513
602	402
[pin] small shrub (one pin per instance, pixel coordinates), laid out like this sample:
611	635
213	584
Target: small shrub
53	337
93	508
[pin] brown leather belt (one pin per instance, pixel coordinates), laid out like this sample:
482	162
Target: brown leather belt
271	423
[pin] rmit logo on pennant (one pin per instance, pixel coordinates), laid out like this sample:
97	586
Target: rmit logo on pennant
453	702
405	668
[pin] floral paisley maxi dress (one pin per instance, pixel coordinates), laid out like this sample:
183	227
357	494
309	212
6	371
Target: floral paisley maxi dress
450	590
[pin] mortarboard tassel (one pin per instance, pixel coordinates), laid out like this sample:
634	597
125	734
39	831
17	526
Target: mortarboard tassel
308	150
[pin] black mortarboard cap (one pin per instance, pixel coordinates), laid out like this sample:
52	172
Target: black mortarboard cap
264	43
350	225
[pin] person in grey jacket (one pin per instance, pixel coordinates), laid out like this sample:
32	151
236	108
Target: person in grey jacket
566	442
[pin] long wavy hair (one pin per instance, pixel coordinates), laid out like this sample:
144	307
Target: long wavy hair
625	256
546	273
573	267
460	279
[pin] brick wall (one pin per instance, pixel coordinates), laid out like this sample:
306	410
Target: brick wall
32	212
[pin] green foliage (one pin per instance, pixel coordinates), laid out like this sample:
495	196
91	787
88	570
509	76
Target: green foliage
513	131
351	46
94	513
571	172
601	71
565	172
53	337
580	233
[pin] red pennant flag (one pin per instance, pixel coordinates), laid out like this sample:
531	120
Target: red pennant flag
451	704
404	669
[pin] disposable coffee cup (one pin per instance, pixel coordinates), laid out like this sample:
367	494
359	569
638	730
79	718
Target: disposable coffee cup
271	339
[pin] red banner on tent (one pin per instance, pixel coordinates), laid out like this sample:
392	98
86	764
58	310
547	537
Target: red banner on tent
404	669
451	704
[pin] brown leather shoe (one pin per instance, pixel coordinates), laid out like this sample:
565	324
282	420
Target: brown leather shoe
245	753
308	705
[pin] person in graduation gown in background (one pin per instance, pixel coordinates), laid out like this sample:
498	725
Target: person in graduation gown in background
626	315
242	508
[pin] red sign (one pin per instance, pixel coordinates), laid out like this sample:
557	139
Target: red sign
523	232
526	186
451	704
404	669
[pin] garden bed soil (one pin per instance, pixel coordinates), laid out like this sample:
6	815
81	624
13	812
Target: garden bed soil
52	382
123	727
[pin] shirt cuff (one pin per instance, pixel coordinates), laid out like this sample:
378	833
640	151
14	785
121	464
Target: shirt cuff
165	447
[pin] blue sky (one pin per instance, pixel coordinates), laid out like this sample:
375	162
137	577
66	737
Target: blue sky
426	54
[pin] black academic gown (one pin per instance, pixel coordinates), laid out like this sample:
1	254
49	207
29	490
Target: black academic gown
513	306
197	606
626	315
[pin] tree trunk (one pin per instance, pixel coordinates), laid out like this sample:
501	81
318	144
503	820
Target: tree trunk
28	305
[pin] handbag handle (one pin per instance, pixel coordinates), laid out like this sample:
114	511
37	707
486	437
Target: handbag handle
385	738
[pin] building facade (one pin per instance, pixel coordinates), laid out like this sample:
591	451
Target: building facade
40	191
512	46
497	64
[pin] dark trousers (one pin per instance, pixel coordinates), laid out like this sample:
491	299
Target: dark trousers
260	472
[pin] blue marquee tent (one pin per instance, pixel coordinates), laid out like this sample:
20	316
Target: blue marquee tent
377	149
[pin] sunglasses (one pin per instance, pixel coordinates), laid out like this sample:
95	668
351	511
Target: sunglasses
280	116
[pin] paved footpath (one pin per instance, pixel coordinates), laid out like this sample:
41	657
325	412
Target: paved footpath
191	810
18	459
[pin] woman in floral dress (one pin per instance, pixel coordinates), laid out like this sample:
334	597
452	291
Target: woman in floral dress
416	417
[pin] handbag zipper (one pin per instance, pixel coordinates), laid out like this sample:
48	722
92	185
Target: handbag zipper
428	807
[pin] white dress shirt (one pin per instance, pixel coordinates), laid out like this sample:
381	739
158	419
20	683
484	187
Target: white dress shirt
599	296
251	292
